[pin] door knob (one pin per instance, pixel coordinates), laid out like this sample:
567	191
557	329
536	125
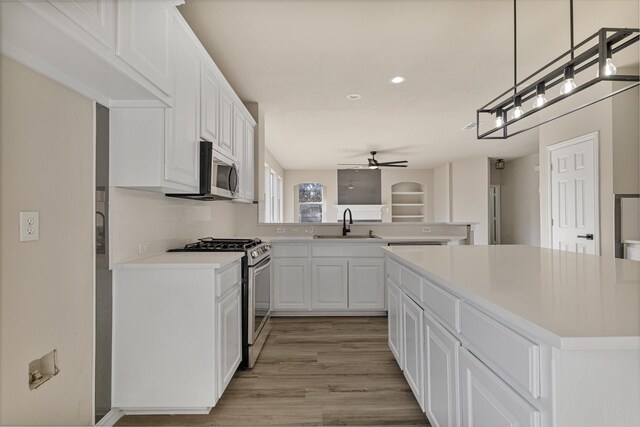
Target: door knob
586	236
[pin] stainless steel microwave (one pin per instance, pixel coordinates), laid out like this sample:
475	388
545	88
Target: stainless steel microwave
218	178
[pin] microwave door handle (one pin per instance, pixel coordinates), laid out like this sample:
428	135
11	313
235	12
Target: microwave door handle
233	173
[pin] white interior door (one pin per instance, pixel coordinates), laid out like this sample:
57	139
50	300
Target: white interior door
574	195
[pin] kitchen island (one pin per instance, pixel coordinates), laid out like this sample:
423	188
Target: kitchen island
496	335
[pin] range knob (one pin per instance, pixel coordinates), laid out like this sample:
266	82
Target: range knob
254	253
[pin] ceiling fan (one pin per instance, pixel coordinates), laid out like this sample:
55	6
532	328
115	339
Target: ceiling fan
374	164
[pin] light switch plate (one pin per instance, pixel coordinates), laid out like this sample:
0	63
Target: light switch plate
29	226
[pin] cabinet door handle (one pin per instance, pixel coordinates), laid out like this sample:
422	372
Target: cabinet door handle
586	236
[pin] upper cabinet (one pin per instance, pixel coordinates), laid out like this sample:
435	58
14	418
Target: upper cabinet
97	18
226	145
182	148
141	59
143	42
210	105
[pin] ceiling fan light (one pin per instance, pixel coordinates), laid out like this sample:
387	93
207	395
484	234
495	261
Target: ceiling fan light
373	167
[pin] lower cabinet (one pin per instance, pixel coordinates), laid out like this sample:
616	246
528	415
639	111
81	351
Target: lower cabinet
440	374
394	318
290	290
326	284
329	284
229	342
412	324
366	284
488	401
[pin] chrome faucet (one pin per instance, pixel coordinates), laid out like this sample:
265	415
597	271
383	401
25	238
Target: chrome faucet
345	228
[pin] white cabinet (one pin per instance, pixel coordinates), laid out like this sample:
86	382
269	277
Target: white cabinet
342	278
394	318
225	144
182	149
249	162
96	17
176	335
441	401
329	284
488	401
366	284
209	105
229	311
412	323
144	32
290	288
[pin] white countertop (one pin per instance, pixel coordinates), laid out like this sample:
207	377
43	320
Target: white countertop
575	301
184	260
383	239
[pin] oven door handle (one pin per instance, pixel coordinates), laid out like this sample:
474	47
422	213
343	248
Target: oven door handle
265	263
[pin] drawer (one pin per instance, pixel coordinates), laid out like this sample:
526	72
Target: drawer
228	278
443	304
393	270
347	250
290	251
486	400
509	354
411	282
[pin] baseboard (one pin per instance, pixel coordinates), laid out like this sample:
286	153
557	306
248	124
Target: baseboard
111	418
167	411
283	313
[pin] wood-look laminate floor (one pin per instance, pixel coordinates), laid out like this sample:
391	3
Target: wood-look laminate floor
313	371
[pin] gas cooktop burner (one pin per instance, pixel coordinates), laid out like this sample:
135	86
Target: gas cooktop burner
209	244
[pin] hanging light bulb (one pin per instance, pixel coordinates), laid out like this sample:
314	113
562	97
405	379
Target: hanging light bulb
568	85
610	68
540	99
518	111
499	118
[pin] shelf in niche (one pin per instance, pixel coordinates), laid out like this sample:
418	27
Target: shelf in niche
407	202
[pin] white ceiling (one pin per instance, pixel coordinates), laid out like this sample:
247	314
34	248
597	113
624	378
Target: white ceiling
299	59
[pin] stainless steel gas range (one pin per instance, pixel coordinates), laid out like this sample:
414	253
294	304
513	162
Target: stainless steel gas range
256	289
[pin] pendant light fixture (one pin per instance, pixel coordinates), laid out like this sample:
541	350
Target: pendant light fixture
597	50
540	99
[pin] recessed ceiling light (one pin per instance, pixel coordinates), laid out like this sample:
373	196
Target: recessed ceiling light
354	96
396	80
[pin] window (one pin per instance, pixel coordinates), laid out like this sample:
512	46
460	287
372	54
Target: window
310	200
273	195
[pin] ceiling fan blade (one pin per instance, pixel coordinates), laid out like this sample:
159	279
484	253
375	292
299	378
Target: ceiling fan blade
382	165
393	163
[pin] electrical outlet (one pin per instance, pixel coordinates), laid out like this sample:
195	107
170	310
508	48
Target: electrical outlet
143	247
293	230
29	226
281	230
426	229
308	230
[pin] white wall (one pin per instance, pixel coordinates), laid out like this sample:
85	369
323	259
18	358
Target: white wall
273	163
470	195
442	193
520	201
163	222
46	286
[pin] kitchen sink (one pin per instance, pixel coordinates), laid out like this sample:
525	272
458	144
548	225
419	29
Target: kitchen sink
348	236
